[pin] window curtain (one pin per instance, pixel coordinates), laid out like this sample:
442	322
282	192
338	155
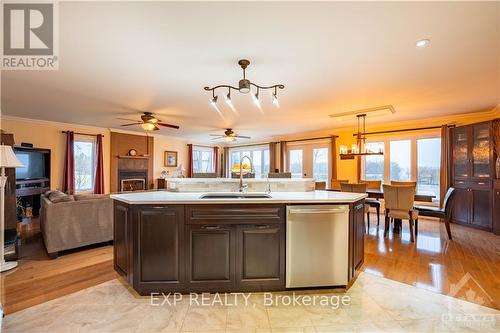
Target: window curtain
444	177
333	152
216	161
226	162
272	156
99	167
190	161
282	156
69	164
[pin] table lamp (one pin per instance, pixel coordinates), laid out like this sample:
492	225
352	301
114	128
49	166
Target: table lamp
7	160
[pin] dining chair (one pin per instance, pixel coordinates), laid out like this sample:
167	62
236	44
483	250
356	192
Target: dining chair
319	185
375	203
372	184
398	183
441	213
399	202
335	184
358	188
279	175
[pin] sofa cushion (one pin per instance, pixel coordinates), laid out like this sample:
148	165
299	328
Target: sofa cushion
58	196
89	196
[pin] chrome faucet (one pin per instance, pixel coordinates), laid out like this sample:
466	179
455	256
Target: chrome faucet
243	187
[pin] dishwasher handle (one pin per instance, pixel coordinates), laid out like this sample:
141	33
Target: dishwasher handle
317	211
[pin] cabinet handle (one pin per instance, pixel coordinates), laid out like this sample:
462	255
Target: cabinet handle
211	227
480	183
159	207
262	226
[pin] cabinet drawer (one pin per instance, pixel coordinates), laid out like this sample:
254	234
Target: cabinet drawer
478	184
235	214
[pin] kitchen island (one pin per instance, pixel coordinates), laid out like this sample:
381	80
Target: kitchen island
220	242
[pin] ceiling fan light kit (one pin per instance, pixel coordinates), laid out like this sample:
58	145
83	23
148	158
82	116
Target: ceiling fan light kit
150	123
244	87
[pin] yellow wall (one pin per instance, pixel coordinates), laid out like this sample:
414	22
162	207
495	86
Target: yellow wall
45	134
347	169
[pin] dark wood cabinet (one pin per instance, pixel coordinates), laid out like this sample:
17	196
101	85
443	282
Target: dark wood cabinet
496	207
260	255
120	239
473	169
10	188
358	233
160	233
210	257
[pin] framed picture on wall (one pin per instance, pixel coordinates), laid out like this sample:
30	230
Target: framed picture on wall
170	159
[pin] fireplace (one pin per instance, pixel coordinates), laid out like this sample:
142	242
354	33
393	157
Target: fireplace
132	180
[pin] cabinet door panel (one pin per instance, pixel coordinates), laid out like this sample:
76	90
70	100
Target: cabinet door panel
461	206
210	251
261	252
359	229
481	208
120	247
481	151
461	159
160	230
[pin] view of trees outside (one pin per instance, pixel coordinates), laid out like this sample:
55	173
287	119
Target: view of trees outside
428	166
296	163
320	164
259	156
84	165
400	160
374	165
203	160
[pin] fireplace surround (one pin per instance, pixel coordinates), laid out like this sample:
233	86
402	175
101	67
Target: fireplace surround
132	180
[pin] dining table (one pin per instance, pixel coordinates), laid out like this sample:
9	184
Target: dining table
379	194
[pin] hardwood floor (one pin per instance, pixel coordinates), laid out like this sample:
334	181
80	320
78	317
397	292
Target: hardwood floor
466	267
471	262
39	279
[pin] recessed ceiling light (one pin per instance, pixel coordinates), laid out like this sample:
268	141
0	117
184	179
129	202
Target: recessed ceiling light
422	43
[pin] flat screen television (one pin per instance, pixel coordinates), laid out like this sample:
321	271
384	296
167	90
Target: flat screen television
36	163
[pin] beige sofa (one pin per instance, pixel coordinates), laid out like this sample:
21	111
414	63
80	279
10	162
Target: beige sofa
69	222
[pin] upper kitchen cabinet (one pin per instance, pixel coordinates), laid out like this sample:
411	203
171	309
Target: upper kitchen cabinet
472	153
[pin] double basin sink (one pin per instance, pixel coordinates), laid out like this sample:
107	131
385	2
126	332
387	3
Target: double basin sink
235	195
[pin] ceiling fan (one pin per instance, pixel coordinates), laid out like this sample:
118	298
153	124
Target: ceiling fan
149	122
229	136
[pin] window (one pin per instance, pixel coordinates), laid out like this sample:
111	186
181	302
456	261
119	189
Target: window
85	151
296	163
400	160
428	165
203	160
320	164
374	165
258	154
414	157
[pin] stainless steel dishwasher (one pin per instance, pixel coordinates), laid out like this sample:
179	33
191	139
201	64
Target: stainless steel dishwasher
317	238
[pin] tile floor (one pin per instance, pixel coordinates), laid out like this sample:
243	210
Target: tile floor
375	304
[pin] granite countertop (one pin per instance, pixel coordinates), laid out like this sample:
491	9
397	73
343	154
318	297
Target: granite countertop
236	180
165	197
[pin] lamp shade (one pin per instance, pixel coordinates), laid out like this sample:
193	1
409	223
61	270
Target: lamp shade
8	159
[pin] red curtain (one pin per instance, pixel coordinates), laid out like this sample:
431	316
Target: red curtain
99	167
216	161
190	161
69	164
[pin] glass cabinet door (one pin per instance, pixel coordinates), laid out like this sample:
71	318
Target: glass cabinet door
461	152
481	151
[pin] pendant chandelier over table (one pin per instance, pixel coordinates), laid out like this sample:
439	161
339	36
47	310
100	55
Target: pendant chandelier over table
244	87
359	148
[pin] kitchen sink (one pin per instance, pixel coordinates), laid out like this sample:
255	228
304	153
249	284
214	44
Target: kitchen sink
235	195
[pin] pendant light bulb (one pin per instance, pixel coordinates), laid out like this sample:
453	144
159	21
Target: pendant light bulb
229	102
276	102
255	98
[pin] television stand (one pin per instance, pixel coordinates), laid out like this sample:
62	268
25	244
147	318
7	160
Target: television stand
29	191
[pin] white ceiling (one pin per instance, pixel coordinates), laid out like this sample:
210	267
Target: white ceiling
120	58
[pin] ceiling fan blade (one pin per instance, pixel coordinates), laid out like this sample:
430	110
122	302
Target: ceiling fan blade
243	136
126	119
167	125
156	128
220	135
131	124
